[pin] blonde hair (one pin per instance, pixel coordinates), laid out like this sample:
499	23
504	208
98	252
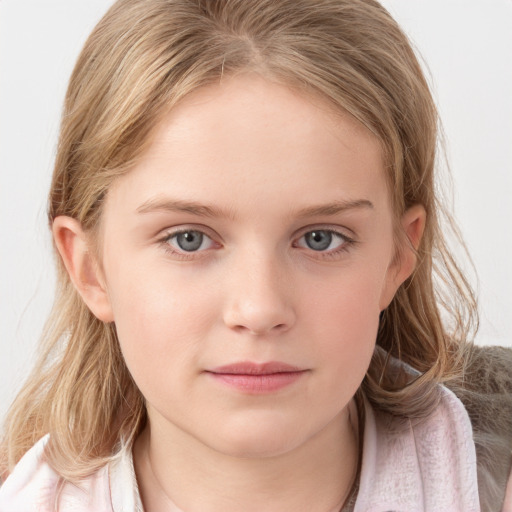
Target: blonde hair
140	60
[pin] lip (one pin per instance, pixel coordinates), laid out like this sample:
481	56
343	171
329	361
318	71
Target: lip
250	368
257	378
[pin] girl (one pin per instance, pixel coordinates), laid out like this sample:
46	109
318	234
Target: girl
256	307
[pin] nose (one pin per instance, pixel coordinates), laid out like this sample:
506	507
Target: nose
259	298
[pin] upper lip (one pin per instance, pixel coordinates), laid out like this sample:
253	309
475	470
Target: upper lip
250	368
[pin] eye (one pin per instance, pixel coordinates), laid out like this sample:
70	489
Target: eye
322	240
190	240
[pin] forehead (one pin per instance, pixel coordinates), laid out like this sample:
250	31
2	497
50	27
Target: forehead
248	140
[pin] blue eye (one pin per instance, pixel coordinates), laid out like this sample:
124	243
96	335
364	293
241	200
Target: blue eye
322	240
189	241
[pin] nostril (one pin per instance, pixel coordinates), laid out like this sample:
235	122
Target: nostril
266	330
258	331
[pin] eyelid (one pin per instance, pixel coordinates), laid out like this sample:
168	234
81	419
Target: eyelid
168	233
348	242
343	231
183	228
165	234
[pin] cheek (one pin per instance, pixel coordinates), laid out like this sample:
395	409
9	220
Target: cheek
346	316
148	295
343	318
160	319
350	300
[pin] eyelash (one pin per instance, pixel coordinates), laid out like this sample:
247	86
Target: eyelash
347	243
183	255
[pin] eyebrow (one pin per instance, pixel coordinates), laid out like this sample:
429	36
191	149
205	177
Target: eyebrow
203	210
335	207
176	205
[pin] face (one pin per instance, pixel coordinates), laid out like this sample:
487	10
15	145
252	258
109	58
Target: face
246	259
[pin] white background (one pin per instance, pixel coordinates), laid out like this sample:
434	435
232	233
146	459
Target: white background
466	43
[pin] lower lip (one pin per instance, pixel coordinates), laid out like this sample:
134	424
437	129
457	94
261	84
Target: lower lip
258	383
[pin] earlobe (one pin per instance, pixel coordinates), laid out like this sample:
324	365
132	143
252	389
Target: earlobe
80	262
413	224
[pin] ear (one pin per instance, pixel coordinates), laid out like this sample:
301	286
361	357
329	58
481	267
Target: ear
404	262
74	248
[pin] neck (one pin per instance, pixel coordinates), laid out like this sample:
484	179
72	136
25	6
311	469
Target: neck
315	477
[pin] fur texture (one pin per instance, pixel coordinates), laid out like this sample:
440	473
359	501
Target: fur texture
486	392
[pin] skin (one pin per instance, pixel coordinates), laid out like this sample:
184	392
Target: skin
266	161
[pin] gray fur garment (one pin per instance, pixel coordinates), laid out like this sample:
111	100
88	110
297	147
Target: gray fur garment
486	392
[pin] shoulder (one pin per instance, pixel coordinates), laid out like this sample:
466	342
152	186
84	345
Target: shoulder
419	466
486	392
32	481
34	485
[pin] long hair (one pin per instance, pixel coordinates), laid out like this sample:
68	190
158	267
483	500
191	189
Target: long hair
140	60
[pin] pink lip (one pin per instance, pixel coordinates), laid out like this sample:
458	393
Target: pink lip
257	378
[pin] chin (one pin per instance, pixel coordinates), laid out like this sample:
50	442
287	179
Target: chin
255	440
257	448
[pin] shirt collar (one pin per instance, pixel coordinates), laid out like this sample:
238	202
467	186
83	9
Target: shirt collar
424	466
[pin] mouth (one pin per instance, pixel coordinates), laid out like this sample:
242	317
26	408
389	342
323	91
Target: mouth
257	378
